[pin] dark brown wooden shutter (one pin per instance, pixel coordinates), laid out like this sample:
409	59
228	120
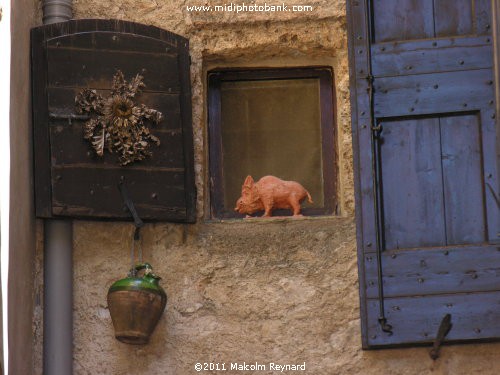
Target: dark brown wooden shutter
70	179
426	165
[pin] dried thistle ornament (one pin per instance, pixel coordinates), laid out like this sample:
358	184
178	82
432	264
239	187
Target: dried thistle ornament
118	123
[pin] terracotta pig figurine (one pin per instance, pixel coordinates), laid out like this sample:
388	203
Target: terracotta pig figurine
270	193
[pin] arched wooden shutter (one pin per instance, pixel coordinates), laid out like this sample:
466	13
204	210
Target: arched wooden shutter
426	164
70	179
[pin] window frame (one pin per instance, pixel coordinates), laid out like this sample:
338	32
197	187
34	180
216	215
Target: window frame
328	133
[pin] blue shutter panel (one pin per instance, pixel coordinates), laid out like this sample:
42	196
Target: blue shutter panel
426	166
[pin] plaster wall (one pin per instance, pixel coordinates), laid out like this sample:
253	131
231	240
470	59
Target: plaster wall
278	290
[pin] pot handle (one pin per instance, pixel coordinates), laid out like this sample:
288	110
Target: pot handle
148	270
139	267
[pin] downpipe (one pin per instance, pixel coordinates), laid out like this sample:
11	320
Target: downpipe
58	260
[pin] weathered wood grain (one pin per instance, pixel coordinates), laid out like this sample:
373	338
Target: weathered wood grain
413	203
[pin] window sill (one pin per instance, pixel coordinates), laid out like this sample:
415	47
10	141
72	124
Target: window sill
279	220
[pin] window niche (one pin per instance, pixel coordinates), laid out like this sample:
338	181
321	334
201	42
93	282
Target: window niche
272	122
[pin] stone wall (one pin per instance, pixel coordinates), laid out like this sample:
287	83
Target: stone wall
278	290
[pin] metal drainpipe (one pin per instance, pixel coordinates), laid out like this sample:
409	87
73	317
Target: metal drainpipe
58	261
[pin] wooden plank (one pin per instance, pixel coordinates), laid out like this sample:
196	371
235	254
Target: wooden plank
95	68
453	18
462	179
415	45
41	146
114	41
105	25
491	164
433	93
413	207
357	35
435	271
416	319
403	19
61	101
87	191
430	60
187	130
484	21
69	147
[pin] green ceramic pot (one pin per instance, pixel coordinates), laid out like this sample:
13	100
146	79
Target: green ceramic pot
136	305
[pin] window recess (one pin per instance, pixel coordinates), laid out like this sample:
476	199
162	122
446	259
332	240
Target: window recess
272	122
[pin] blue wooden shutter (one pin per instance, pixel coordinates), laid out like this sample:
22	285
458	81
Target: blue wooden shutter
426	165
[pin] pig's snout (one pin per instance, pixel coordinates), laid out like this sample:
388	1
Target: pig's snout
238	205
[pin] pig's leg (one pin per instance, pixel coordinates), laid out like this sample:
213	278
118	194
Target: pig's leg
295	204
268	208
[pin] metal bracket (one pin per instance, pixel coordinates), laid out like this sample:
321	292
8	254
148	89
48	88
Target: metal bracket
130	205
443	330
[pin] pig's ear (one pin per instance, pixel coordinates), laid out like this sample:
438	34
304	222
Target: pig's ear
247	185
248	182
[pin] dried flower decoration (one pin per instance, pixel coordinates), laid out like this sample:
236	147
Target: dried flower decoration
119	124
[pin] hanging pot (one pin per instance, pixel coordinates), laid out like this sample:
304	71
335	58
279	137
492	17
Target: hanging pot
136	304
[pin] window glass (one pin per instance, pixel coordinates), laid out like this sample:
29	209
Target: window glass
271	127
